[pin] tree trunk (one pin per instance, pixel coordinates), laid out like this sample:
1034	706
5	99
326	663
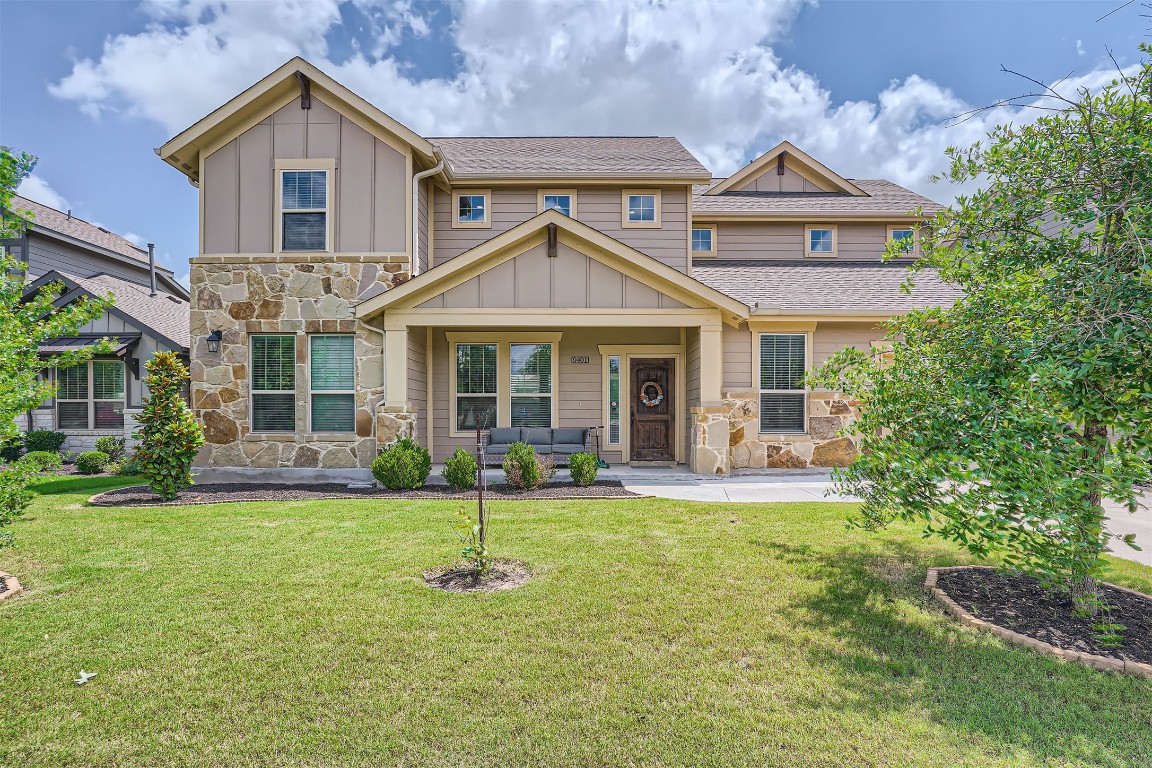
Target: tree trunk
1082	582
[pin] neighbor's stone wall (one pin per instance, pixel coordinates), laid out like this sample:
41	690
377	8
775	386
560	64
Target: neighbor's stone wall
296	295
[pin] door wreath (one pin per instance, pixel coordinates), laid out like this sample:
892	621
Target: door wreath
651	402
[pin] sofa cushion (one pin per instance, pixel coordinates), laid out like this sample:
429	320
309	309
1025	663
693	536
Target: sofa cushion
568	436
503	436
537	437
568	448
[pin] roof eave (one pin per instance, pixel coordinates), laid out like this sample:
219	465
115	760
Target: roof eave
630	179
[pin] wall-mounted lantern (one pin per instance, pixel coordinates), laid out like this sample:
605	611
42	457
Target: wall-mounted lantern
214	341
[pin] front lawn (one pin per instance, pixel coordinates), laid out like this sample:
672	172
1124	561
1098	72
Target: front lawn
653	632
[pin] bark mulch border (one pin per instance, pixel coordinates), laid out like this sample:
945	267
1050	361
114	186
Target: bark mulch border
12	586
1102	663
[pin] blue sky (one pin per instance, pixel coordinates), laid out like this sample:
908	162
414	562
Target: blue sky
867	87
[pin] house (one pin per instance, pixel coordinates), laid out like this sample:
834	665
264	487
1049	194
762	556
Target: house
362	283
149	314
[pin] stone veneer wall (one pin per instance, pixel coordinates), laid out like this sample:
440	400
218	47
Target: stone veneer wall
290	295
726	437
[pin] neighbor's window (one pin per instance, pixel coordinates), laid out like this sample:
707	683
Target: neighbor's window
614	399
304	210
475	386
641	207
821	241
470	209
531	385
91	395
333	382
904	237
782	392
561	201
703	240
273	377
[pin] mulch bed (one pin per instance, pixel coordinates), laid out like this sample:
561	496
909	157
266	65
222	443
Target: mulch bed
220	493
1020	603
504	574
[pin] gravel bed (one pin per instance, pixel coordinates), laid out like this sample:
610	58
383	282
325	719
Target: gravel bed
218	493
1020	603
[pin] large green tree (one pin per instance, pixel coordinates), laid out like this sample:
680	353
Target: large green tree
1003	422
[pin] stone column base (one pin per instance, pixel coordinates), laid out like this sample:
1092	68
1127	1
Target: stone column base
710	440
394	423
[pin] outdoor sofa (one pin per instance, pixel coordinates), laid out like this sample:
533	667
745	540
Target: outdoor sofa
559	443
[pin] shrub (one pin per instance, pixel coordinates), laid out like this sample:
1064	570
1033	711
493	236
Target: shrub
113	446
14	496
525	469
112	468
169	436
11	452
583	468
44	461
91	462
45	440
403	466
460	470
129	467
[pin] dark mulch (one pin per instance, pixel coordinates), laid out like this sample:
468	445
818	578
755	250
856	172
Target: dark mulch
218	493
504	574
1020	603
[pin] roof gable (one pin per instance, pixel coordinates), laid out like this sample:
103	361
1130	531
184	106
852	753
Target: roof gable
788	158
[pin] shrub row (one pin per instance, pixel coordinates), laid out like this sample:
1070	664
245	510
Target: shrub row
406	466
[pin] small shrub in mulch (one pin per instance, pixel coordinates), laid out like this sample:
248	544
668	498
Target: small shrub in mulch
504	574
1020	603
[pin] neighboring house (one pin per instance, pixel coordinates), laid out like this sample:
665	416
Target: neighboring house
367	283
150	314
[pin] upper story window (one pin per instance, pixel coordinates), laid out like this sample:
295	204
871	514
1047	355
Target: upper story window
904	238
470	209
820	240
704	241
304	210
641	208
563	200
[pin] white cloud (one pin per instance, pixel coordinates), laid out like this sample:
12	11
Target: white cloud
36	188
706	73
1080	48
135	239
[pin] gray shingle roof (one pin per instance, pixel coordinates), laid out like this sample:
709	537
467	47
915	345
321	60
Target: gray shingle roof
808	285
52	219
165	314
884	198
569	156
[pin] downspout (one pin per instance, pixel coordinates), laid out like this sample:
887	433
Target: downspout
416	179
152	268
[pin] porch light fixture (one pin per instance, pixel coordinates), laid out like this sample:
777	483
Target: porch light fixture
214	341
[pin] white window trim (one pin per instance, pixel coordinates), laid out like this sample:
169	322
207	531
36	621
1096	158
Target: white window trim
820	254
312	391
625	223
703	254
503	342
915	239
455	213
252	391
571	196
806	391
91	400
318	164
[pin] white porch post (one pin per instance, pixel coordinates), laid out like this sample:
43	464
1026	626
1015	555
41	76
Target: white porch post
711	364
710	428
396	366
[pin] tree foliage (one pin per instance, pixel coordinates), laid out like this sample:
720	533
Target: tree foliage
1003	421
169	435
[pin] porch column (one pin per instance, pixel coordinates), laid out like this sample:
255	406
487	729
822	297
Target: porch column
710	423
396	366
711	364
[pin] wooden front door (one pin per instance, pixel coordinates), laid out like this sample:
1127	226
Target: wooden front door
653	410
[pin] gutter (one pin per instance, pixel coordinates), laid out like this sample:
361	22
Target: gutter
416	179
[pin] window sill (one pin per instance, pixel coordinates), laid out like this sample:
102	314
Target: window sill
640	225
270	437
331	437
820	255
782	437
471	225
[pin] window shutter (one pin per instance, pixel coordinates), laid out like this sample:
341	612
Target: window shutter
333	362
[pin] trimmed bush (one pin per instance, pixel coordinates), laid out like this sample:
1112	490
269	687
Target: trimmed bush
44	440
12	451
583	468
525	469
113	446
45	461
404	466
460	470
169	436
91	462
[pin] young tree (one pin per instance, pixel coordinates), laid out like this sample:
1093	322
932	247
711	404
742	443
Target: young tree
169	435
1002	422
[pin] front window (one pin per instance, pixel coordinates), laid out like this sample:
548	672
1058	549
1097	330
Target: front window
304	210
273	377
821	241
703	240
91	395
641	207
475	386
559	202
531	385
333	382
904	239
783	397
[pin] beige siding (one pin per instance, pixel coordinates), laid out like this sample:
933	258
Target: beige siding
599	207
368	195
45	255
422	226
737	358
418	381
691	382
785	240
771	181
831	337
570	280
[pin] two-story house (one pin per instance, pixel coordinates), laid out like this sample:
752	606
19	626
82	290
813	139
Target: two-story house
149	314
358	282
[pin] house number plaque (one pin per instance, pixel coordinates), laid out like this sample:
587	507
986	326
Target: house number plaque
581	359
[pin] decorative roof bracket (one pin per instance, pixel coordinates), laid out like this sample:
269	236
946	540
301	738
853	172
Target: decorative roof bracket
305	90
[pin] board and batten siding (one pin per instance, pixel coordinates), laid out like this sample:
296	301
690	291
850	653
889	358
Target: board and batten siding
598	207
771	181
45	255
368	195
785	240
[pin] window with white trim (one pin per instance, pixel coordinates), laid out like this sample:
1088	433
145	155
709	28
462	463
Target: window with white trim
530	382
332	380
304	210
273	380
820	241
476	386
91	395
783	396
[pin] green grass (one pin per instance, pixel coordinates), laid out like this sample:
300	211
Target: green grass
652	633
